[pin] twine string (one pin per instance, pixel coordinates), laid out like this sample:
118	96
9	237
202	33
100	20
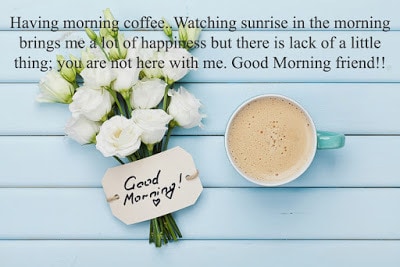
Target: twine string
191	177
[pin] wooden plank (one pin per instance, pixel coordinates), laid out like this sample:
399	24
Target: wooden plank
59	162
386	70
256	9
351	108
199	253
245	213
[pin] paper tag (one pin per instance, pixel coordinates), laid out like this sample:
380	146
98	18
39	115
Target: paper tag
153	186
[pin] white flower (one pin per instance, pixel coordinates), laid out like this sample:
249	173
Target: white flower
119	137
133	53
98	77
141	55
82	130
147	93
184	107
174	74
125	78
54	88
90	55
153	124
91	103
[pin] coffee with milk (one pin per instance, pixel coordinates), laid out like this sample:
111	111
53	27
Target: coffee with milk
270	139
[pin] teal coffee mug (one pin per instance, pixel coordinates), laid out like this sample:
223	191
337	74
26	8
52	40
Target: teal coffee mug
272	140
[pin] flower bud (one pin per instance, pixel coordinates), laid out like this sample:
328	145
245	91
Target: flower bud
118	51
182	34
91	34
120	46
192	34
103	32
77	63
167	29
108	16
68	74
114	54
60	61
113	32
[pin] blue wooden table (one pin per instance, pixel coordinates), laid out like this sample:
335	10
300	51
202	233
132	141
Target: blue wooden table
344	211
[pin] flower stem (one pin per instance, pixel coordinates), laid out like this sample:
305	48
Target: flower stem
165	100
132	158
117	44
157	233
169	227
128	106
102	49
119	160
124	105
114	95
163	229
171	126
174	225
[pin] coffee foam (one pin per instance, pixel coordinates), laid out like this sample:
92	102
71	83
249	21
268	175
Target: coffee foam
271	139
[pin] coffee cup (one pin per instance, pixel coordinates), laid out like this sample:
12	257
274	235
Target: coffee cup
272	140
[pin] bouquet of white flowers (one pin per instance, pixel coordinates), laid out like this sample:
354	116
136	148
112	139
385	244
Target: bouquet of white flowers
128	113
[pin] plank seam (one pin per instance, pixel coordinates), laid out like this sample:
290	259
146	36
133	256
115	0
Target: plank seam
35	82
212	30
200	135
206	239
215	187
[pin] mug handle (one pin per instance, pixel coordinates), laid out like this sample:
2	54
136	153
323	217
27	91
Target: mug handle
329	140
